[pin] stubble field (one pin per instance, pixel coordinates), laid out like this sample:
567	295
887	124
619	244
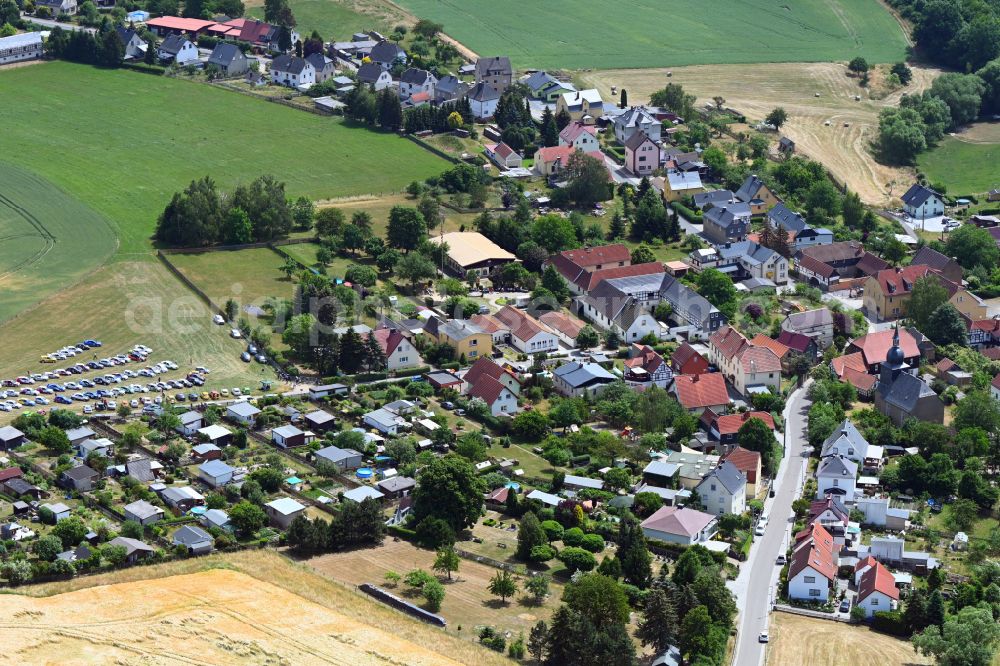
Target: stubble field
802	640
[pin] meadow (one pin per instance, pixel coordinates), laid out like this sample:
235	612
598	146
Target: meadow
123	143
965	167
583	34
48	239
337	20
224	275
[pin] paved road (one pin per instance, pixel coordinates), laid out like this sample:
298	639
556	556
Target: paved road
755	586
56	24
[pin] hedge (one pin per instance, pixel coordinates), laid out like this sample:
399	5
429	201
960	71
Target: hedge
890	622
675	549
691	215
402	532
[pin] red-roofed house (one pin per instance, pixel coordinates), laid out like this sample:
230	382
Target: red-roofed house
399	353
527	334
984	333
748	462
486	366
817	273
725	428
888	291
687	361
10	473
499	330
696	393
499	398
674	524
580	136
781	350
572	264
566	327
862	382
503	155
855	361
497	498
758	368
813	565
874	347
172	25
588	281
645	367
552	160
877	590
724	349
799	343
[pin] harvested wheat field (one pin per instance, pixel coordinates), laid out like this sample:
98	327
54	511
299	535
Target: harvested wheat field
756	89
253	608
803	640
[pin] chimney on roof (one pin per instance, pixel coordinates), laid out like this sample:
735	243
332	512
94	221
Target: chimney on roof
694	379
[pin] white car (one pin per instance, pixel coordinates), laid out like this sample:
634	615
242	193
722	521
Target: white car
87	409
759	531
235	333
763	638
133	404
218	320
237	392
203	370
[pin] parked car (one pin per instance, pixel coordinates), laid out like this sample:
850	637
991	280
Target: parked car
845	606
218	320
245	357
763	638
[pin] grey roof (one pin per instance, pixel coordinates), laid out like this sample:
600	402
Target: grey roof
583	481
749	189
335	454
539	80
687	303
215	468
836	466
387	52
729	476
131	545
126	34
636	140
173	44
19	486
243	409
449	85
905	391
458	329
319	61
396	484
80	473
810	318
286	506
26	38
748	251
714	197
361	493
217	517
578	375
224	54
190	417
726	215
847	433
74	434
319	417
784	217
286	431
918	194
140	470
369	72
415	76
483	92
142	509
661	468
493	65
10	433
192	535
683	180
290	64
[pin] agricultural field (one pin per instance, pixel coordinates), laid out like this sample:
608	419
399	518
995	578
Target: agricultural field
337	20
251	607
835	643
671	33
379	207
249	276
965	162
48	239
812	94
124	153
467	603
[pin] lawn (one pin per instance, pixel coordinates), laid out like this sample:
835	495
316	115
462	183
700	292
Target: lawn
964	167
48	239
123	143
337	20
668	33
248	276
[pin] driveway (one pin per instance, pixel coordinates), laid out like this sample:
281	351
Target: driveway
756	585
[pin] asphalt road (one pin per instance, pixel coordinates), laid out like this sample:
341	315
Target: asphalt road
48	23
756	584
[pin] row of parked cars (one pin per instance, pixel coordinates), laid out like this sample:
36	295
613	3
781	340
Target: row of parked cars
138	353
70	351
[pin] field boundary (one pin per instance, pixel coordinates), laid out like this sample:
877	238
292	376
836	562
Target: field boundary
830	617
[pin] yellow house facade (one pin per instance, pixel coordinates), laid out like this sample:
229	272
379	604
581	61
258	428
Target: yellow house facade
465	338
584	106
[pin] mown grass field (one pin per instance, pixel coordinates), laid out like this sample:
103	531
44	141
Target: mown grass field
123	143
337	20
247	276
579	34
48	239
965	167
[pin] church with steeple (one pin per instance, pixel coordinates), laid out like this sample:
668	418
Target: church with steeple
901	394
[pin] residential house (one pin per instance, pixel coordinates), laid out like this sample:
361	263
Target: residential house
836	475
642	156
387	54
759	196
135	46
696	393
724	428
503	155
216	435
493	326
848	259
750	260
343	459
749	464
546	87
527	334
143	512
724	349
726	223
686	360
877	590
921	202
816	273
324	67
813	566
723	490
585	106
620	305
565	326
242	412
645	367
780	349
177	49
182	498
637	120
463	336
888	292
487	367
283	511
577	379
415	80
817	324
135	550
846	442
672	524
800	234
102	447
287	436
371	74
11	438
705	200
215	473
679	184
495	71
399	351
798	343
552	160
80	478
472	251
833	516
292	71
320	421
196	540
901	395
573	264
58	7
483	99
396	487
190	423
580	136
228	59
946	266
690	308
449	88
499	398
74	435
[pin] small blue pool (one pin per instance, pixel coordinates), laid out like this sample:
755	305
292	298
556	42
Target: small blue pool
198	510
514	485
365	473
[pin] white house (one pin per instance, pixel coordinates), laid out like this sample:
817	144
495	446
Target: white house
483	99
390	419
177	49
813	566
580	136
59	510
887	549
877	590
242	412
414	81
371	74
500	399
283	511
723	490
191	423
838	476
577	379
135	46
673	524
215	473
292	71
921	202
399	352
846	442
503	155
637	120
527	334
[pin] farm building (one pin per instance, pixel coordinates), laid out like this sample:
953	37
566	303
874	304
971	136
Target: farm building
472	251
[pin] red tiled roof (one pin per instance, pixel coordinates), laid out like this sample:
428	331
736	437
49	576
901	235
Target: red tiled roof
676	520
991	326
859	380
503	150
759	359
730	424
900	281
489	323
796	341
487	389
867	562
877	579
696	391
992	353
588	281
728	341
521	324
855	361
178	23
807	554
485	366
819	506
685	353
746	461
388	339
10	473
499	495
816	266
875	346
944	365
586	257
560	321
254	31
575	129
646	358
776	346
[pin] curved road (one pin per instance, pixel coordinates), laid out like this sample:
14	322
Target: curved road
755	586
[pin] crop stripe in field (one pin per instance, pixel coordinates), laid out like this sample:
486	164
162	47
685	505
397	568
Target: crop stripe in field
49	239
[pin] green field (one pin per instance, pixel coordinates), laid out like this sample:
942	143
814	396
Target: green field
578	34
335	21
966	168
48	239
123	143
247	276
